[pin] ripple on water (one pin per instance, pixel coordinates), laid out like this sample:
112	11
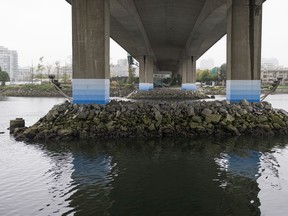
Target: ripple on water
27	173
188	177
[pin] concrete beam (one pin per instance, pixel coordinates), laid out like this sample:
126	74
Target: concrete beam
128	30
209	27
163	29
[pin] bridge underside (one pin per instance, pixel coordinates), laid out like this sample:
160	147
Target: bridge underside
164	35
167	30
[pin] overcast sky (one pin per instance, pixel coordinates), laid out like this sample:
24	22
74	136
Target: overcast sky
38	28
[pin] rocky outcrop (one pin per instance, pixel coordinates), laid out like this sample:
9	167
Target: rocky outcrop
48	90
134	119
31	90
168	93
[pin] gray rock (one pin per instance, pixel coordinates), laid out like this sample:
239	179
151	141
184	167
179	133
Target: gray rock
233	129
218	104
262	119
96	120
215	118
158	116
52	115
190	111
264	126
83	115
276	119
118	114
268	107
223	111
229	118
206	112
277	126
243	112
244	102
65	132
197	119
193	125
91	115
207	120
151	127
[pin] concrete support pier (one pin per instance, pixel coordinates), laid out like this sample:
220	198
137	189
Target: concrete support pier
146	71
91	35
188	68
244	22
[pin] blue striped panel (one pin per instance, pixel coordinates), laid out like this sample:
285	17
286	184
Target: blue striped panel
189	86
236	90
87	91
145	86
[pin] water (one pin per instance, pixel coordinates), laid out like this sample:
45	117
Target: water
231	176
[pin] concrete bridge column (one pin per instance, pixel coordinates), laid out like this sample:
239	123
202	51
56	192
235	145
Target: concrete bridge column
244	22
91	35
182	70
146	71
189	74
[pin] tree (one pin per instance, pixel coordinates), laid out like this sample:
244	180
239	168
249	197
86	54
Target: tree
49	68
204	76
65	77
57	68
222	74
131	74
198	73
40	68
4	77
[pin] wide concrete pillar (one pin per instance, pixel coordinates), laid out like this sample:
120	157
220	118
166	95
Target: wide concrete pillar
188	68
91	35
146	72
244	23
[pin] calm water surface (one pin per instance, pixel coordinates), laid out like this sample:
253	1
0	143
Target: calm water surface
231	176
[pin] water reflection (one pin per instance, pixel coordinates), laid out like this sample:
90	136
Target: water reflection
60	184
169	176
229	176
273	181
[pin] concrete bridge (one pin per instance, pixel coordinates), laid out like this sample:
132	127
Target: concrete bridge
165	35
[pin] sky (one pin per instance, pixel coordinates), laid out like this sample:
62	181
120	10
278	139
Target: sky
37	28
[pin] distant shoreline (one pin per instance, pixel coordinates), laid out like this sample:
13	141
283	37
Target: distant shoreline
48	90
30	90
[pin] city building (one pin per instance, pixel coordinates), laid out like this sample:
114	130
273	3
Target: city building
269	76
9	62
24	74
269	63
121	69
160	75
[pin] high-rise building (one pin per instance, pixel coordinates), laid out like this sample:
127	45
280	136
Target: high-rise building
269	63
120	69
9	62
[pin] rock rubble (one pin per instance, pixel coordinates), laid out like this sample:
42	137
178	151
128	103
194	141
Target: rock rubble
156	119
168	93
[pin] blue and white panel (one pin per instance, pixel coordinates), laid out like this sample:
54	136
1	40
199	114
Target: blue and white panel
236	90
145	86
189	86
86	91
